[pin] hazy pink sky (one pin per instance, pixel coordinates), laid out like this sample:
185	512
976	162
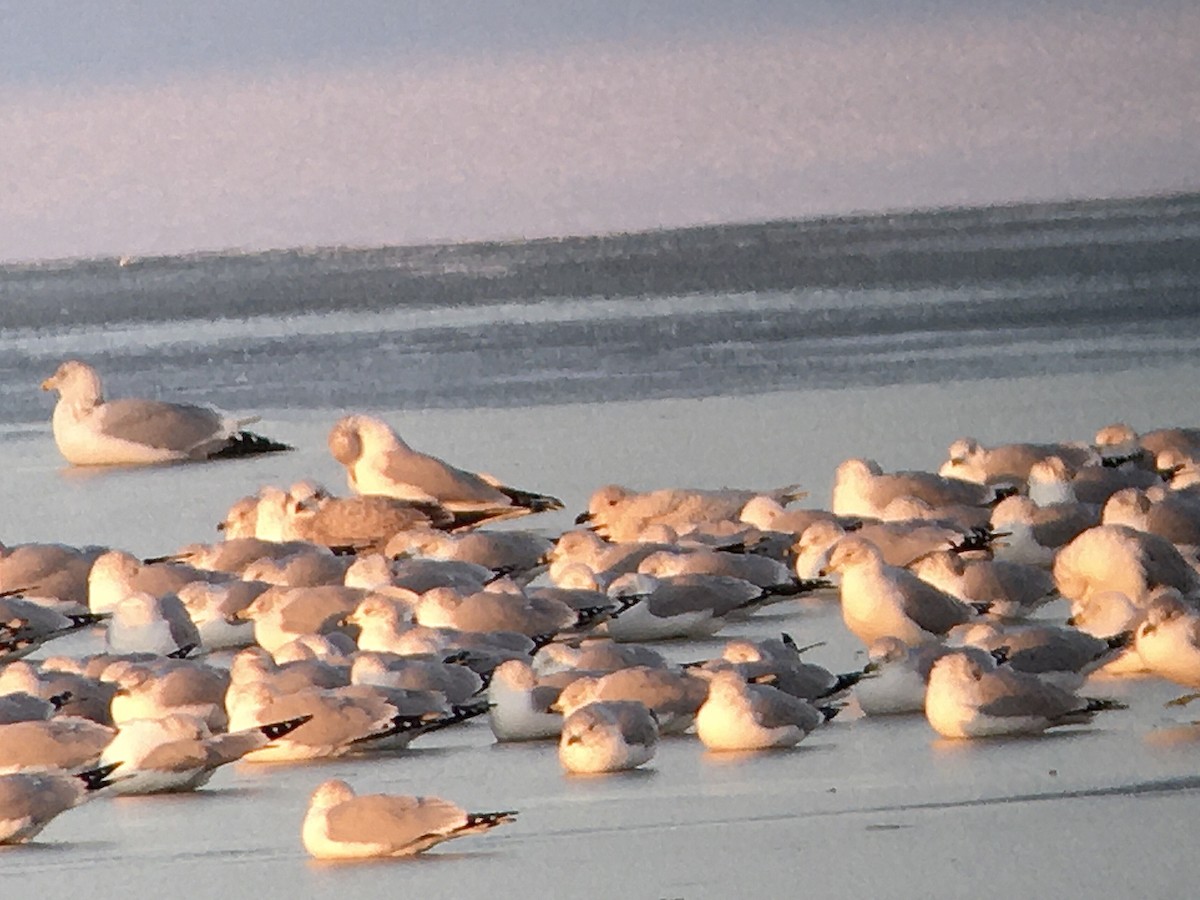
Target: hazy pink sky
179	134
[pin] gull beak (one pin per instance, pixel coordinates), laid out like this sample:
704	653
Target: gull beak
49	384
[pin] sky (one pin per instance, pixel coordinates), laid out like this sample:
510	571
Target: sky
162	126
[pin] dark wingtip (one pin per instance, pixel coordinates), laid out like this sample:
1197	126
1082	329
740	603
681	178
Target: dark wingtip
829	712
182	652
1120	640
491	819
95	779
247	443
276	730
583	518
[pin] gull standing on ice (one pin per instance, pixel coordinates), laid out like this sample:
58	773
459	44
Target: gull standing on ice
92	432
340	824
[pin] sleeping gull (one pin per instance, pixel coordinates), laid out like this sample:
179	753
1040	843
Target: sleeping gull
1118	558
178	752
340	824
969	460
48	570
621	514
970	698
377	461
29	801
674	697
900	677
90	431
740	716
607	736
861	488
59	743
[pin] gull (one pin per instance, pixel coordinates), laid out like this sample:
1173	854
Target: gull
1061	656
879	600
29	801
605	560
740	716
457	683
485	611
768	514
970	698
63	742
1118	558
254	665
607	736
214	610
969	460
365	522
1053	481
232	555
1169	514
1168	641
758	570
621	514
19	706
899	542
499	551
117	574
309	568
595	654
900	676
377	461
680	607
90	431
153	690
1121	439
178	752
1033	533
673	697
778	662
282	614
341	720
861	488
25	625
1014	590
520	705
48	570
143	623
340	824
74	694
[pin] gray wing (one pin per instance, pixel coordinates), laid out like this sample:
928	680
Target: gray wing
933	610
165	426
1007	693
439	479
1056	526
773	708
36	796
392	820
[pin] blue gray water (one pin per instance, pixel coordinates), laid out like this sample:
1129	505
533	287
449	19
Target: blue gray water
928	297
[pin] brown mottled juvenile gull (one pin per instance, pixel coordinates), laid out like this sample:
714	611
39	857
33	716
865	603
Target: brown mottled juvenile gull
90	431
340	824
